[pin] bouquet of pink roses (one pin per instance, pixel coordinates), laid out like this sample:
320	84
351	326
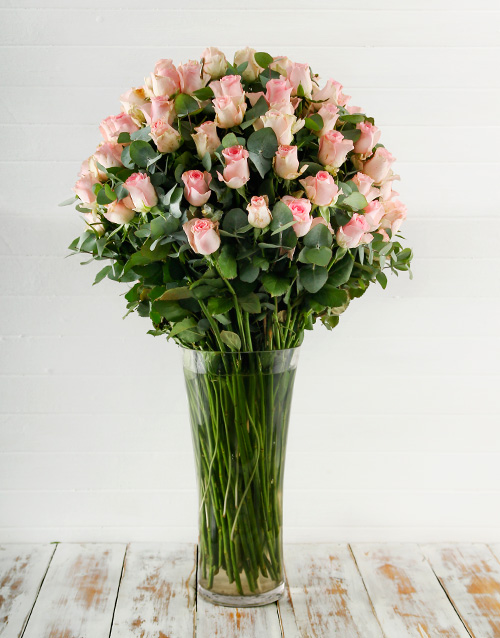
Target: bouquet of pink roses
243	202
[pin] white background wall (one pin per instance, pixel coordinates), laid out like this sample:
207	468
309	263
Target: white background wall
395	432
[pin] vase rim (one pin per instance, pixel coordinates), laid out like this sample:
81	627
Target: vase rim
214	352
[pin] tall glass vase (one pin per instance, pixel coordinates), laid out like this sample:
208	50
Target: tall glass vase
240	406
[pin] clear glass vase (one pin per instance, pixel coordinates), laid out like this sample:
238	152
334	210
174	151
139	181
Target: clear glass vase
240	406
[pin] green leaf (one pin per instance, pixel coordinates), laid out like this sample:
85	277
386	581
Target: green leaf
102	197
173	199
219	305
355	118
231	339
229	140
234	220
353	134
382	279
355	200
203	94
313	278
109	192
142	153
102	274
185	324
174	294
261	107
126	158
250	303
263	59
331	297
227	262
206	160
261	163
320	256
141	134
318	236
263	142
185	104
123	138
405	255
249	272
147	256
161	226
341	271
170	310
69	201
282	216
314	122
275	285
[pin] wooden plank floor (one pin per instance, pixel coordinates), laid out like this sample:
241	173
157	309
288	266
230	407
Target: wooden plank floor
148	590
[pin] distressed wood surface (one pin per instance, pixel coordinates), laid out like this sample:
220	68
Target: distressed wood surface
78	594
157	592
22	569
327	593
405	593
213	621
470	575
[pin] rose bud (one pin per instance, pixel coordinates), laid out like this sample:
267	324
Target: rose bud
83	188
278	91
286	162
214	62
203	235
108	155
93	221
394	216
351	235
364	184
283	125
370	135
118	212
333	149
321	189
229	86
162	108
378	166
165	79
196	187
190	77
300	74
236	173
206	139
113	125
227	113
329	114
259	215
166	137
301	209
252	70
373	214
141	192
331	92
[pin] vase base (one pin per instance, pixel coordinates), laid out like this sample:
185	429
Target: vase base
252	600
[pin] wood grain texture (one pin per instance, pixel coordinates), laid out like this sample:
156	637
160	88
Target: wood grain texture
22	569
405	593
470	575
327	593
157	592
78	595
213	621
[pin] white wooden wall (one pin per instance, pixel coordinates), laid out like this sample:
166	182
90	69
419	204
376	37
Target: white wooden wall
396	428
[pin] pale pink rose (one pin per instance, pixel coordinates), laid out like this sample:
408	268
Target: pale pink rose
108	155
253	98
283	125
333	149
331	92
196	187
301	211
300	74
286	162
370	135
118	212
142	113
93	221
386	192
281	64
278	91
373	214
352	110
364	184
85	167
394	215
83	188
206	139
229	86
253	70
214	62
190	77
135	104
162	108
321	189
166	137
165	79
351	235
259	215
329	114
203	235
227	113
236	173
113	125
379	165
141	192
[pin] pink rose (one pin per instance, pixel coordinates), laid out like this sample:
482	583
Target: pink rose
196	187
259	215
386	192
108	155
113	125
378	166
236	173
166	137
300	74
203	235
229	86
321	189
83	188
206	139
373	214
281	64
227	113
162	108
351	235
353	109
364	184
214	62
252	70
370	135
141	192
329	114
165	79
135	104
286	162
118	212
283	125
331	92
333	149
190	77
394	215
301	209
278	91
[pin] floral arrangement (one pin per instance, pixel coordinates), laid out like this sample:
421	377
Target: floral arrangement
243	201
